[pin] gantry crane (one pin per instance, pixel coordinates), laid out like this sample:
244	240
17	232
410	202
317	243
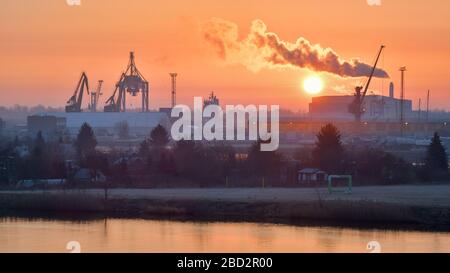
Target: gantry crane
95	96
357	106
74	103
131	81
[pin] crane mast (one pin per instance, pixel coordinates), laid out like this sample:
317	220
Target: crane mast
357	106
95	96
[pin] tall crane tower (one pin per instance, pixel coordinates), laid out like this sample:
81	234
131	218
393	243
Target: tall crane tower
74	103
357	106
132	82
95	96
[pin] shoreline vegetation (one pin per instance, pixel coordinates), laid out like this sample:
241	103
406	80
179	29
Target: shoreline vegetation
416	207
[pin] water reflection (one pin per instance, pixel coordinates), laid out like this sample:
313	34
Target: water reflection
121	235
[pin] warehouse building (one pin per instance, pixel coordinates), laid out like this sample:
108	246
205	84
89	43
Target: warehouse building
377	108
50	126
139	123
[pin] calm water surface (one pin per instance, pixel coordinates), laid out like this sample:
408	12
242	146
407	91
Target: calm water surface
121	235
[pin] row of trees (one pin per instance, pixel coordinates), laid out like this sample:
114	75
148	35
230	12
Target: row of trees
204	164
43	160
372	165
209	164
187	162
195	161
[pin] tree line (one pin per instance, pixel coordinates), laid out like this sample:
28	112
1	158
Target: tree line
160	162
370	165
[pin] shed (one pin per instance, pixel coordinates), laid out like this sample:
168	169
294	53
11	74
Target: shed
311	175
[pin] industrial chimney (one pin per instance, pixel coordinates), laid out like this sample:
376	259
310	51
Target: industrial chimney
173	76
391	90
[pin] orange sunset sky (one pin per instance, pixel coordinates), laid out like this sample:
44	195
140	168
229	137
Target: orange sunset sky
46	44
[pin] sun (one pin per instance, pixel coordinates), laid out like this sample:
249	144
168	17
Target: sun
313	85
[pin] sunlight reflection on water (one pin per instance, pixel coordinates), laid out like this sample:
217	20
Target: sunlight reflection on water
120	235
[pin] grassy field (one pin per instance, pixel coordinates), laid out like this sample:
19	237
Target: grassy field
424	205
420	195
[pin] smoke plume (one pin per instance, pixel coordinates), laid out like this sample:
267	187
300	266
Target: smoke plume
263	49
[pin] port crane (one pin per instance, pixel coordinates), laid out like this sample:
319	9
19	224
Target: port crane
74	103
357	106
132	82
95	96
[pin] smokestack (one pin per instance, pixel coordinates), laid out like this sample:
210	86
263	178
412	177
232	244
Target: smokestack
173	76
391	90
420	109
428	105
402	98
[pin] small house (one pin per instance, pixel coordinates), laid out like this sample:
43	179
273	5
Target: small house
87	176
311	175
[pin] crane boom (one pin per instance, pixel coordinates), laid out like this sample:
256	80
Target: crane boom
356	107
74	103
373	71
113	104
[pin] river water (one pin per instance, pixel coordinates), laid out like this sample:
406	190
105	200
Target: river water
122	235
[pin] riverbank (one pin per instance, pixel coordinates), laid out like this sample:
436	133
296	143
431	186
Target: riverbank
424	206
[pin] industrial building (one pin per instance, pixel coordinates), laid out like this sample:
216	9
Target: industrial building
138	122
49	125
363	107
376	108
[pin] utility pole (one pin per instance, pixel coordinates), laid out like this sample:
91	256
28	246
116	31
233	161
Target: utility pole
174	88
402	99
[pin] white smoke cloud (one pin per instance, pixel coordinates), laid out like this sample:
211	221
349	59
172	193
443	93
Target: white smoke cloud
263	49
